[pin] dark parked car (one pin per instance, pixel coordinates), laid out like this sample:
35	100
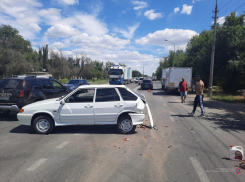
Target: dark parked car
18	91
147	84
75	83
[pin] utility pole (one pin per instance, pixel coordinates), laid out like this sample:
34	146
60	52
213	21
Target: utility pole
143	71
212	54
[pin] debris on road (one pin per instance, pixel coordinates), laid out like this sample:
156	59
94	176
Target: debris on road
126	139
169	146
143	127
166	126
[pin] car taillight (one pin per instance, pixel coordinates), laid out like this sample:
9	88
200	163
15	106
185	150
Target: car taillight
21	93
151	81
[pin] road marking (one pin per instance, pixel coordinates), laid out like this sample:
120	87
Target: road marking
62	145
136	88
76	134
199	170
36	164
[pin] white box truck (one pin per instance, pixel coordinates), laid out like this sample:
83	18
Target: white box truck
154	78
174	75
163	78
120	75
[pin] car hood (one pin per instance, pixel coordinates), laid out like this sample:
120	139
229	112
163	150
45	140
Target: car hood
43	102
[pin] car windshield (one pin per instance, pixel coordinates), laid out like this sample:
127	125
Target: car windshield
115	71
141	78
11	83
73	82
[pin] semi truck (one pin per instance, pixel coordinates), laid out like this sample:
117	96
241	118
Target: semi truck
163	78
154	78
120	75
174	75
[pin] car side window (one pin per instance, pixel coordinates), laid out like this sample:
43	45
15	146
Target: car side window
56	85
126	95
82	95
106	95
46	84
35	84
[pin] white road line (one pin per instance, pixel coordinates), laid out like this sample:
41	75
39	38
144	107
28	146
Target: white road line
136	88
62	145
36	164
199	170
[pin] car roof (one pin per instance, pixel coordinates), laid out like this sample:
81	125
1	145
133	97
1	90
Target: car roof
102	86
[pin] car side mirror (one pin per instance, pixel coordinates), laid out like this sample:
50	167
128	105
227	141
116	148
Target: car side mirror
62	102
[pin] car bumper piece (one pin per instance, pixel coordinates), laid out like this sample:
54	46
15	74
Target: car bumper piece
24	119
137	118
10	108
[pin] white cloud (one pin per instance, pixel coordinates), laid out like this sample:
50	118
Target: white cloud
91	25
60	30
71	2
130	33
221	20
186	9
151	15
50	15
176	9
139	5
57	45
98	42
35	27
179	36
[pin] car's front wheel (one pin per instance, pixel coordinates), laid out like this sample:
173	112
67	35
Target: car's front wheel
43	125
125	125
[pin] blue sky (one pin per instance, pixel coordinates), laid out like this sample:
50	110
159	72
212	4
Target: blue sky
122	31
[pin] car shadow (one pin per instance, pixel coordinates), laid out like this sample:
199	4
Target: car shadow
75	129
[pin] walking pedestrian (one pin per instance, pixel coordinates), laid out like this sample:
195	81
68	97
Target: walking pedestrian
183	87
199	97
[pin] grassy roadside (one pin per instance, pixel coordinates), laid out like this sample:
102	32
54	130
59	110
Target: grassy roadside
219	95
98	82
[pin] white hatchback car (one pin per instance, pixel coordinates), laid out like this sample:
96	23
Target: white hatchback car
87	105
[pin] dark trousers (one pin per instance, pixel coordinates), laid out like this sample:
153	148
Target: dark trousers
198	100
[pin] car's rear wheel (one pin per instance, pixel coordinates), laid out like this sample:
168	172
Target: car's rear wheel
125	125
43	125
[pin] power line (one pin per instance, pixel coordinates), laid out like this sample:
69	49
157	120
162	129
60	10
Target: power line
225	5
239	7
231	6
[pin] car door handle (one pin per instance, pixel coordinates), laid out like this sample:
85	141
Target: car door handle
118	105
88	106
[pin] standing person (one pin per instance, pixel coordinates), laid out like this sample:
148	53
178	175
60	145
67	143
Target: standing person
199	97
183	87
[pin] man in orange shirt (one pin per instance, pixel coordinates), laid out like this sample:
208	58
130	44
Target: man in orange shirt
183	87
199	97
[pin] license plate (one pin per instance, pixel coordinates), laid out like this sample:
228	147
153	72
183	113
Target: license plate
172	84
4	98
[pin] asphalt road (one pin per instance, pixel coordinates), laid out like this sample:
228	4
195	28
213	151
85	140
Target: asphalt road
182	149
